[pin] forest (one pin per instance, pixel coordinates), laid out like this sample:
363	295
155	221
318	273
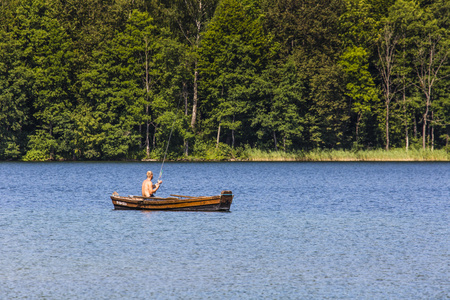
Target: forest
136	79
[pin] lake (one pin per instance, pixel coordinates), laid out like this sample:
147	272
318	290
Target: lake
296	230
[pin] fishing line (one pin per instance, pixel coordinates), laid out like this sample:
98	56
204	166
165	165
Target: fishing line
170	135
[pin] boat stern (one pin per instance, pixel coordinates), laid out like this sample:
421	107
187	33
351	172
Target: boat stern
226	198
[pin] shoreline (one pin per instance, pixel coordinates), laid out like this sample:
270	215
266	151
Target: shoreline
237	160
255	155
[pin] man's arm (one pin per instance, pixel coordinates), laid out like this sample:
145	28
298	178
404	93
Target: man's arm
155	187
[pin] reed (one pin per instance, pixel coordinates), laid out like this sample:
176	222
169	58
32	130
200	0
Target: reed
347	155
260	155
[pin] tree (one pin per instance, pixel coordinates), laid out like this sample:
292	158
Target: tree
279	113
15	87
398	35
124	84
358	26
197	13
386	63
187	20
360	86
46	49
308	35
430	56
233	54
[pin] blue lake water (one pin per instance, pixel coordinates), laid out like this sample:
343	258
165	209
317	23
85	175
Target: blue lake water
295	231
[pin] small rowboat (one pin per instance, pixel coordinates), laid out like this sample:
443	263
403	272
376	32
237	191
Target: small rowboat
220	202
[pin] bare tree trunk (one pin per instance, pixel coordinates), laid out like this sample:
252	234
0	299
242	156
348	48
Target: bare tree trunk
185	96
426	82
232	134
415	127
195	98
147	139
275	140
430	58
154	138
198	24
405	112
218	137
232	138
140	136
147	89
197	11
406	121
358	120
386	53
387	125
424	127
432	131
446	140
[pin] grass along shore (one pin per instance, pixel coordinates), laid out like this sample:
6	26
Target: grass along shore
346	155
249	154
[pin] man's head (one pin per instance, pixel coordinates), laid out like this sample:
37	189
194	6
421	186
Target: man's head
149	174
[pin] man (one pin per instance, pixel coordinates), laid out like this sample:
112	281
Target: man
148	189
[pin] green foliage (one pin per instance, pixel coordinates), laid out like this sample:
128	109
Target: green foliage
360	85
224	79
41	145
232	55
217	152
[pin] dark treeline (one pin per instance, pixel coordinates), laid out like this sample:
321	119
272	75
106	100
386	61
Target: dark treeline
95	79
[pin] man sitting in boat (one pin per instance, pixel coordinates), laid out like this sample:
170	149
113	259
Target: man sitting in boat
148	189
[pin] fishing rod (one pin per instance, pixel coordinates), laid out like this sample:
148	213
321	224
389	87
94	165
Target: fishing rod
165	154
168	142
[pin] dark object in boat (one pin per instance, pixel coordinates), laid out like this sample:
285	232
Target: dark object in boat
220	202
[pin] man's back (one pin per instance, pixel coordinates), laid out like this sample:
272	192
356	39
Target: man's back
147	188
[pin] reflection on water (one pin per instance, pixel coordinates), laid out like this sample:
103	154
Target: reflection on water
296	230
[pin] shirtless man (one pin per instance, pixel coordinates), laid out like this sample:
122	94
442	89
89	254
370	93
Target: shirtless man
148	189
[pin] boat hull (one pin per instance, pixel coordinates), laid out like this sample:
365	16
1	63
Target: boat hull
220	202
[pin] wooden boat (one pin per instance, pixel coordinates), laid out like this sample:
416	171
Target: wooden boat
220	202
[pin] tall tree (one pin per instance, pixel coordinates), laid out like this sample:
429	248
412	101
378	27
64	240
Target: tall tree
358	25
360	86
50	50
16	81
430	56
401	15
132	74
279	114
308	33
234	52
190	18
386	53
